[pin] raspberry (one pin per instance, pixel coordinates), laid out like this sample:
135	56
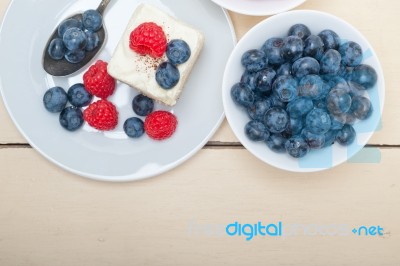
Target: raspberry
101	115
160	125
97	81
148	39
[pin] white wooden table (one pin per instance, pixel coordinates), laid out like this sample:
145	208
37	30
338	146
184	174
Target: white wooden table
51	217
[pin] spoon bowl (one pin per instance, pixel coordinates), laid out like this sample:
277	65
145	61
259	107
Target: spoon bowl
62	67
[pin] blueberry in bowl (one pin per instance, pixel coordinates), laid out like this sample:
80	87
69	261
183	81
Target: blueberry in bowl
321	95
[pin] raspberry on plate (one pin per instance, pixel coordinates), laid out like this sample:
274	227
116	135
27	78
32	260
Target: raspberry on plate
97	81
148	39
102	115
160	125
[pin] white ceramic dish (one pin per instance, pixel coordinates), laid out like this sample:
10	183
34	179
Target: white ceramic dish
259	7
110	156
278	26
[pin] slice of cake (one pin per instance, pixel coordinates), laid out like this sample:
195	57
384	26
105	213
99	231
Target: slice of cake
141	54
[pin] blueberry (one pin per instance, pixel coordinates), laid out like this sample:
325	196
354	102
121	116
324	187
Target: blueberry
256	131
134	127
364	75
325	90
318	121
354	89
361	107
336	124
351	53
78	96
92	20
167	75
254	60
56	49
333	80
242	95
320	104
299	30
292	48
74	39
250	79
330	62
55	99
68	23
330	39
285	88
178	51
338	101
284	69
295	126
257	110
276	142
314	141
71	118
313	47
276	120
297	147
75	56
272	49
264	80
93	40
276	101
330	137
142	105
305	66
311	86
345	71
345	118
300	107
346	135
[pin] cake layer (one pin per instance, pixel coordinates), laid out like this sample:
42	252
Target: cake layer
139	71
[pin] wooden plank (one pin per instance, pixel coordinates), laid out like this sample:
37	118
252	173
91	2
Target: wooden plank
50	217
9	132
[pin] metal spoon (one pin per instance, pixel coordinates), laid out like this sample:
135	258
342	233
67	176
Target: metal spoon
63	67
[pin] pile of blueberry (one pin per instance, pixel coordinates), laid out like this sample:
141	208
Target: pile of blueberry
55	100
76	37
167	73
304	91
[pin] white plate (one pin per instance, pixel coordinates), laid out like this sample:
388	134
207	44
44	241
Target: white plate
278	26
259	7
110	156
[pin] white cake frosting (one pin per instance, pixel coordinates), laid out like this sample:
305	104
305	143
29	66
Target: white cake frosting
139	71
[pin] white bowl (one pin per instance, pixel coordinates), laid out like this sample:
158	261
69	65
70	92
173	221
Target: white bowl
277	26
259	7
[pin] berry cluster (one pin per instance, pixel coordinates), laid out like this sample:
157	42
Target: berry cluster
76	37
149	39
55	101
304	91
158	125
101	114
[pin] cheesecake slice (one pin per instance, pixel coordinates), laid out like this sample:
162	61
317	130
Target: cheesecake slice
139	71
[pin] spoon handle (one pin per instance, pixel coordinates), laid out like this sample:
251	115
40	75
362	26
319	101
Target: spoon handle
103	5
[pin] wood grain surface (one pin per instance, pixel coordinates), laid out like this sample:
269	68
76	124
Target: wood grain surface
51	217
